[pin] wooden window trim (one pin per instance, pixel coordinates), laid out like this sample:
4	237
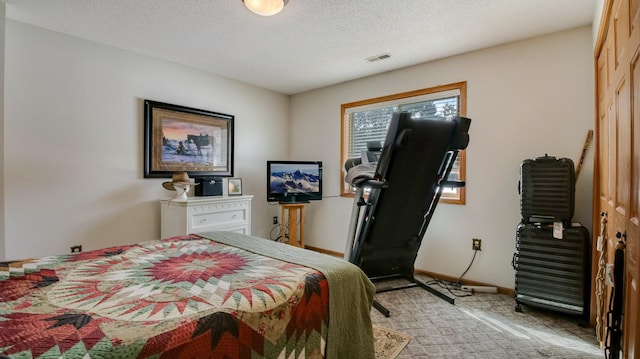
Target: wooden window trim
344	134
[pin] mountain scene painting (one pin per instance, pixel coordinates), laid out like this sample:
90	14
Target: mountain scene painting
298	178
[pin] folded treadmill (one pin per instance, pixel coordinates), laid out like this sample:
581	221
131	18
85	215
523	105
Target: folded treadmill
396	198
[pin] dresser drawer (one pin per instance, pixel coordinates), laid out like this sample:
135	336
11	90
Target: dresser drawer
219	219
205	214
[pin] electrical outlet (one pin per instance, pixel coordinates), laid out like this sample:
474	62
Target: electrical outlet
476	244
275	219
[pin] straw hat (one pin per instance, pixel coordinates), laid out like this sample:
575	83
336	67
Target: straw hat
180	178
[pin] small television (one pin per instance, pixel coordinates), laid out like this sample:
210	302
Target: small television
294	181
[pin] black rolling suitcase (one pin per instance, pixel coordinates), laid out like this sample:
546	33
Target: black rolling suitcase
553	273
547	189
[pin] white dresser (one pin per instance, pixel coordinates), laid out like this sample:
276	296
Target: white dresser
204	214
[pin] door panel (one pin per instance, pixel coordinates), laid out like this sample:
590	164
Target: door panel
621	30
634	16
611	158
623	150
602	76
603	148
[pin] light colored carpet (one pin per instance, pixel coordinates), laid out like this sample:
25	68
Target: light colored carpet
482	326
388	343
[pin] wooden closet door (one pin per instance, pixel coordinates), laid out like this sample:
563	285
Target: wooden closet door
618	157
627	106
632	267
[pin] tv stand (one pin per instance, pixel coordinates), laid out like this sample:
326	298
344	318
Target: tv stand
289	227
292	200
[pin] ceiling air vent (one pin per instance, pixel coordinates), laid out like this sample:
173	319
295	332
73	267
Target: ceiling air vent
378	57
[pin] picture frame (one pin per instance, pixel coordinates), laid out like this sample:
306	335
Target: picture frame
179	138
235	186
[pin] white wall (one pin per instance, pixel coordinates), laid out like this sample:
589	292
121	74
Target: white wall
597	16
73	135
73	142
525	99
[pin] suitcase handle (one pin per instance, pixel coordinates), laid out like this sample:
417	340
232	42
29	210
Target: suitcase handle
547	158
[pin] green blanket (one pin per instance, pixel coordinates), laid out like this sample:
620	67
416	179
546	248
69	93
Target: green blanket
350	292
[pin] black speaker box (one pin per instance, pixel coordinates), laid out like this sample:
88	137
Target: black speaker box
208	186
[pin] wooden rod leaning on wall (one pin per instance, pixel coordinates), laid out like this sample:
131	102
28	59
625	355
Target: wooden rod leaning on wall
585	147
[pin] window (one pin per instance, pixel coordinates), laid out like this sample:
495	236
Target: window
368	120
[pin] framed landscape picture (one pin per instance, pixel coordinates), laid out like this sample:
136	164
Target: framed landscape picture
235	186
178	138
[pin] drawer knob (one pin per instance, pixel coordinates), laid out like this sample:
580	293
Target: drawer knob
204	220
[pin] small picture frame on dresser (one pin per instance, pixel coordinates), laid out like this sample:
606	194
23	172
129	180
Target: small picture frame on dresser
235	186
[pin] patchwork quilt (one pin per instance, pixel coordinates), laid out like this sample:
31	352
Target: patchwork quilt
181	297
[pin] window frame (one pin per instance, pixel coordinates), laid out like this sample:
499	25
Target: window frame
400	99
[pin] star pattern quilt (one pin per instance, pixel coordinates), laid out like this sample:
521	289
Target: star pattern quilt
181	297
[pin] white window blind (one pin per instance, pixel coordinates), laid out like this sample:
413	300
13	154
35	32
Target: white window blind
370	122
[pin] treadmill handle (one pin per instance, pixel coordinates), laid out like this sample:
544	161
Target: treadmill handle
455	184
372	183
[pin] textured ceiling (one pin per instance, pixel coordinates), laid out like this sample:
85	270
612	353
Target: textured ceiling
311	43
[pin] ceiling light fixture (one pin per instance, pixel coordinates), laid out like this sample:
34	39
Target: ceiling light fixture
265	7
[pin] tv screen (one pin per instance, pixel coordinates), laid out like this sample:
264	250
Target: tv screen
294	181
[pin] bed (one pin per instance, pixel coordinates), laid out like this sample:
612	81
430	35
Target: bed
207	295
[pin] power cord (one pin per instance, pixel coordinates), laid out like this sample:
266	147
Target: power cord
451	286
475	251
279	233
